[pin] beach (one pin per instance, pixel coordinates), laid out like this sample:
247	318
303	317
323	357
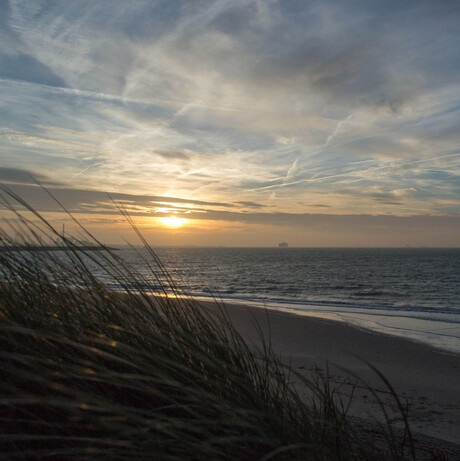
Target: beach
425	378
111	352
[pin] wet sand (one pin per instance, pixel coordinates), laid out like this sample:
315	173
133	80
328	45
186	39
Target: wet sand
426	379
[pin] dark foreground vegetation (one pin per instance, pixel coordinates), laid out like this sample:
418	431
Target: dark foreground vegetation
88	373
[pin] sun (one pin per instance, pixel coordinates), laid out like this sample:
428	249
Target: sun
172	221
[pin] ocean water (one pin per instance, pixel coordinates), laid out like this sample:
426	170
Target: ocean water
413	293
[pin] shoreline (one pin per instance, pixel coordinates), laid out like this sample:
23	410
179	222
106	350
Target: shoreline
390	321
424	377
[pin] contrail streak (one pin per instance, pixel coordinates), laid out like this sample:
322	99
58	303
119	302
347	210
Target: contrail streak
354	173
81	172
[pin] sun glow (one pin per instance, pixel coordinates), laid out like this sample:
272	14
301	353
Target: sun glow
173	221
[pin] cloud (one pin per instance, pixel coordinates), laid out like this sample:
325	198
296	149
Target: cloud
94	208
229	102
361	55
18	176
85	203
250	204
173	154
79	200
27	68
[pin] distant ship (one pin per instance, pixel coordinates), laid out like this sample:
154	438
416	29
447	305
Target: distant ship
283	245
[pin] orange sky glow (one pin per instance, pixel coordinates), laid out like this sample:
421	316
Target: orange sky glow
250	123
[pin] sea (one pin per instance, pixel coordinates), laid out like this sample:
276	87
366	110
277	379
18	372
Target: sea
409	292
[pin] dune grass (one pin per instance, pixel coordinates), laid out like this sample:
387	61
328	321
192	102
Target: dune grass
89	373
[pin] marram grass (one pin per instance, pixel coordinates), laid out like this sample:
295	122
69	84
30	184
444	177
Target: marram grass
87	373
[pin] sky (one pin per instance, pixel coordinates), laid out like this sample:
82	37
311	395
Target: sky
318	123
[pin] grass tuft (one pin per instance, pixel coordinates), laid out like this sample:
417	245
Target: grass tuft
89	373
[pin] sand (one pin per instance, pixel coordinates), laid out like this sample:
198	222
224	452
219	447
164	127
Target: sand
427	379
